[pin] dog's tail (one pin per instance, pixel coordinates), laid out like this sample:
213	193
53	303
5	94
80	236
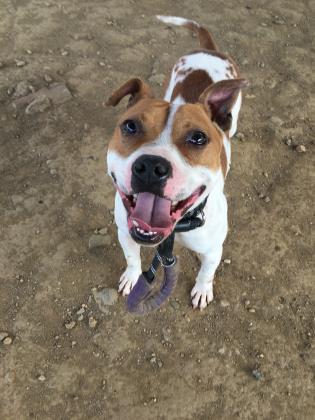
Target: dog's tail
205	38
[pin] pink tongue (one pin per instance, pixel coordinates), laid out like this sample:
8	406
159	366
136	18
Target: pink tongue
155	211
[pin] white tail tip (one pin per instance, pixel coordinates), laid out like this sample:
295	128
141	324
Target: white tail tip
174	20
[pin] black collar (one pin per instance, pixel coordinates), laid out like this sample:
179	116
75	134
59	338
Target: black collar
192	219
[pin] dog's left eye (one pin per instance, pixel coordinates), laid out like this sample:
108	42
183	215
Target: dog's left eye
197	138
130	128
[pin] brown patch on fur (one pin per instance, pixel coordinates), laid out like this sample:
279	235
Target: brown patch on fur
205	37
192	86
152	114
191	117
223	159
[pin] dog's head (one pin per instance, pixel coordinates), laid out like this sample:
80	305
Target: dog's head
165	158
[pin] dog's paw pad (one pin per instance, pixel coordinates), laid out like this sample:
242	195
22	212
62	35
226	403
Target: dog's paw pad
202	295
127	281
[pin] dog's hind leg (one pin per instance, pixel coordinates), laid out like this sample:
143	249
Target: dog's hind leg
132	254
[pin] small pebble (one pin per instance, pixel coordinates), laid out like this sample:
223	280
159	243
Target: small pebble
301	148
252	310
70	325
29	52
227	261
102	64
267	199
42	378
80	311
3	335
240	136
7	341
103	231
92	322
64	53
224	303
247	302
47	78
20	63
257	374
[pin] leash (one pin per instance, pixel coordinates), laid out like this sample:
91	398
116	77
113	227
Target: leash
141	300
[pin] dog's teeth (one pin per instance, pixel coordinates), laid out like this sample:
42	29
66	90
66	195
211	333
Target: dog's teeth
135	223
141	231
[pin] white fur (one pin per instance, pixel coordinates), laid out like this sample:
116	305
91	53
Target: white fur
173	20
208	240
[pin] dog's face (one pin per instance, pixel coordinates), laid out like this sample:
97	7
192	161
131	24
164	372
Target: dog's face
164	159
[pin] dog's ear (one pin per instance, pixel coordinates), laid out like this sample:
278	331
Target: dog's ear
135	87
220	97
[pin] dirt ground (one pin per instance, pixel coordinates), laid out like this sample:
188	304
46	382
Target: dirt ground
250	354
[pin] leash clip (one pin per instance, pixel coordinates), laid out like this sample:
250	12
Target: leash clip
173	260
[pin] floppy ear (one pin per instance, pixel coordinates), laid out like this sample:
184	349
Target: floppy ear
220	97
136	88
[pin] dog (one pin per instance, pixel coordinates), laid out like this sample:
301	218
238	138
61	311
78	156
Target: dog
167	155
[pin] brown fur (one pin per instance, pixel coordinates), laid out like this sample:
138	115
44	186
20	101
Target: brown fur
223	159
196	117
192	86
205	37
152	114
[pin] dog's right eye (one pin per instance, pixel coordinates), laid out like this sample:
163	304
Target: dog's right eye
130	128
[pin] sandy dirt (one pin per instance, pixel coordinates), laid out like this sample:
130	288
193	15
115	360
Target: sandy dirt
250	354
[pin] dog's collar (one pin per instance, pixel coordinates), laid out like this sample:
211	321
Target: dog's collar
141	300
192	219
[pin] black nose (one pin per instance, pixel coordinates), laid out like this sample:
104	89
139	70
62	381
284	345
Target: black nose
150	172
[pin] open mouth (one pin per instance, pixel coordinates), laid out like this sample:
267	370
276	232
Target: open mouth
152	218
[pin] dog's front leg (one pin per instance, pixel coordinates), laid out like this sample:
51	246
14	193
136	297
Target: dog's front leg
202	292
132	254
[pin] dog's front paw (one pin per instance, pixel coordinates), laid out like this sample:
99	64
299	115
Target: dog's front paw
128	279
202	294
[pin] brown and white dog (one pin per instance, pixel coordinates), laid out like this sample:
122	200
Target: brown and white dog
167	155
